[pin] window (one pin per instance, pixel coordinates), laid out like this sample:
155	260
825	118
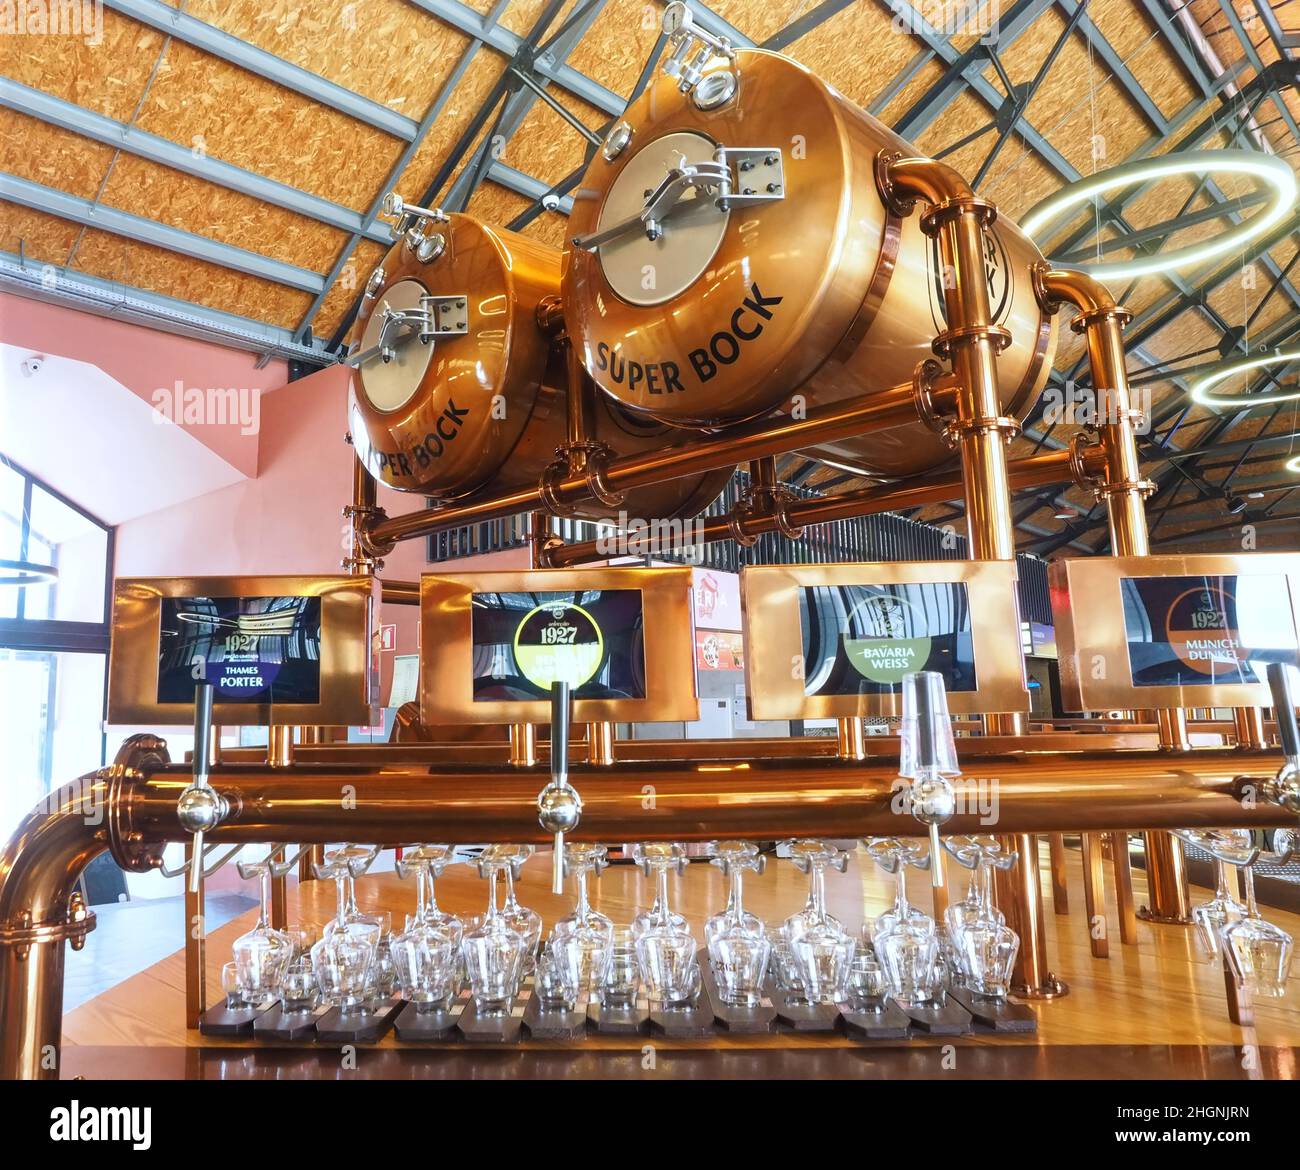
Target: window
53	643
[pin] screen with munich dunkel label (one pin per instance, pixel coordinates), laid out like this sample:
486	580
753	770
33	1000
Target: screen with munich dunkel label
1203	630
251	649
593	639
862	639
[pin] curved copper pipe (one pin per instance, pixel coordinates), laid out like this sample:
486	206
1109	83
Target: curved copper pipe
926	179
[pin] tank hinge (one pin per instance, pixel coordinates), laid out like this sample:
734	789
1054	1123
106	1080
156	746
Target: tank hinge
736	176
437	316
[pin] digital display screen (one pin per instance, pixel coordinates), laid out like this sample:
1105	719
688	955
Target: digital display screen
1206	630
862	639
251	649
592	639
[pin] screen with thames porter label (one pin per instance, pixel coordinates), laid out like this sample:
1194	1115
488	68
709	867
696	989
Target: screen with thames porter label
862	639
251	649
1201	630
592	639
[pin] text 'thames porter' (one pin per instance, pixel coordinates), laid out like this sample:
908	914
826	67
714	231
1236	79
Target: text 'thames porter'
723	349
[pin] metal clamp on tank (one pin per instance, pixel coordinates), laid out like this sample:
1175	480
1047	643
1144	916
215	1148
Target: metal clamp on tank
737	176
559	807
693	49
201	808
1282	789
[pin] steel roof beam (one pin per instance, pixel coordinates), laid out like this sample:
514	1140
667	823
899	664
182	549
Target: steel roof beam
56	112
219	43
147	231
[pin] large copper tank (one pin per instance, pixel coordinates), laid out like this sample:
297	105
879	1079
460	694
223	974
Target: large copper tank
484	408
824	292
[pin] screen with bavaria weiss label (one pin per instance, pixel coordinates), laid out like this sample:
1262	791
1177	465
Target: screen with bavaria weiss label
862	639
251	649
1203	630
592	639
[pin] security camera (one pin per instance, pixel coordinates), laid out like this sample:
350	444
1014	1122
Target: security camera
32	366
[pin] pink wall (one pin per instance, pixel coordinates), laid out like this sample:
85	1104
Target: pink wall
145	360
289	519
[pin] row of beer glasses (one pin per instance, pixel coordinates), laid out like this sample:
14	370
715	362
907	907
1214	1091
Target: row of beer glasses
1257	952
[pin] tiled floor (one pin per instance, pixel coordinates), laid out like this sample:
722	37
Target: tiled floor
130	936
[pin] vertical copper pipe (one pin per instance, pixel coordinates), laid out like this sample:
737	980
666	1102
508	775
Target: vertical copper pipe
279	745
196	935
1060	884
600	744
1248	725
523	745
971	340
279	894
1094	896
1168	896
852	739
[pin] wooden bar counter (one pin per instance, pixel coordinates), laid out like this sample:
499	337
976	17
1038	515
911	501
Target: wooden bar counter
1150	1010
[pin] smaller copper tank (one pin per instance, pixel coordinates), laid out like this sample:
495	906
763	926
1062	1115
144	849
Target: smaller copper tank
479	403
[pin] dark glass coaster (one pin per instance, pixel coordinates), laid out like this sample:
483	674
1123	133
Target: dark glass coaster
277	1024
995	1015
358	1027
612	1021
506	1028
890	1023
555	1024
225	1021
802	1017
414	1025
946	1019
683	1023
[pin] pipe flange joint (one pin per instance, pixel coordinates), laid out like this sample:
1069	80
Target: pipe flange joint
743	512
1049	304
597	472
21	933
780	502
363	519
950	209
925	379
1086	320
1143	487
548	487
137	756
1009	427
1085	445
949	339
896	204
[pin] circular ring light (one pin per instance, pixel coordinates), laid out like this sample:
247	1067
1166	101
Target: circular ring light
1201	390
22	573
1273	171
1293	464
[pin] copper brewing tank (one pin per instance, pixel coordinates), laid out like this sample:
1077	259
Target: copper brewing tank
484	408
824	292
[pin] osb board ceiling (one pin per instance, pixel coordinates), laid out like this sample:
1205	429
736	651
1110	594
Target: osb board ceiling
401	57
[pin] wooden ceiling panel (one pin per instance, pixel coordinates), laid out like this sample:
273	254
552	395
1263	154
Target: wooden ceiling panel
756	21
352	279
616	47
1141	46
41	238
545	145
158	270
206	104
157	192
107	77
53	157
388	50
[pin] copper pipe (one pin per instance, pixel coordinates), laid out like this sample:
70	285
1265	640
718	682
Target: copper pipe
850	738
279	745
889	408
1248	727
935	488
196	937
1060	884
523	745
600	744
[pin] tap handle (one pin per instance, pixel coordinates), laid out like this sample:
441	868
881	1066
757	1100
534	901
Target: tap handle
201	761
1279	682
561	720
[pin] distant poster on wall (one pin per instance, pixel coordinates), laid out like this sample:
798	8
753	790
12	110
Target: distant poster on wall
715	596
1207	630
862	639
719	650
251	649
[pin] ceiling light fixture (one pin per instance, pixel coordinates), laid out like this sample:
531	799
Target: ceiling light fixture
1201	388
1273	171
23	573
1293	464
